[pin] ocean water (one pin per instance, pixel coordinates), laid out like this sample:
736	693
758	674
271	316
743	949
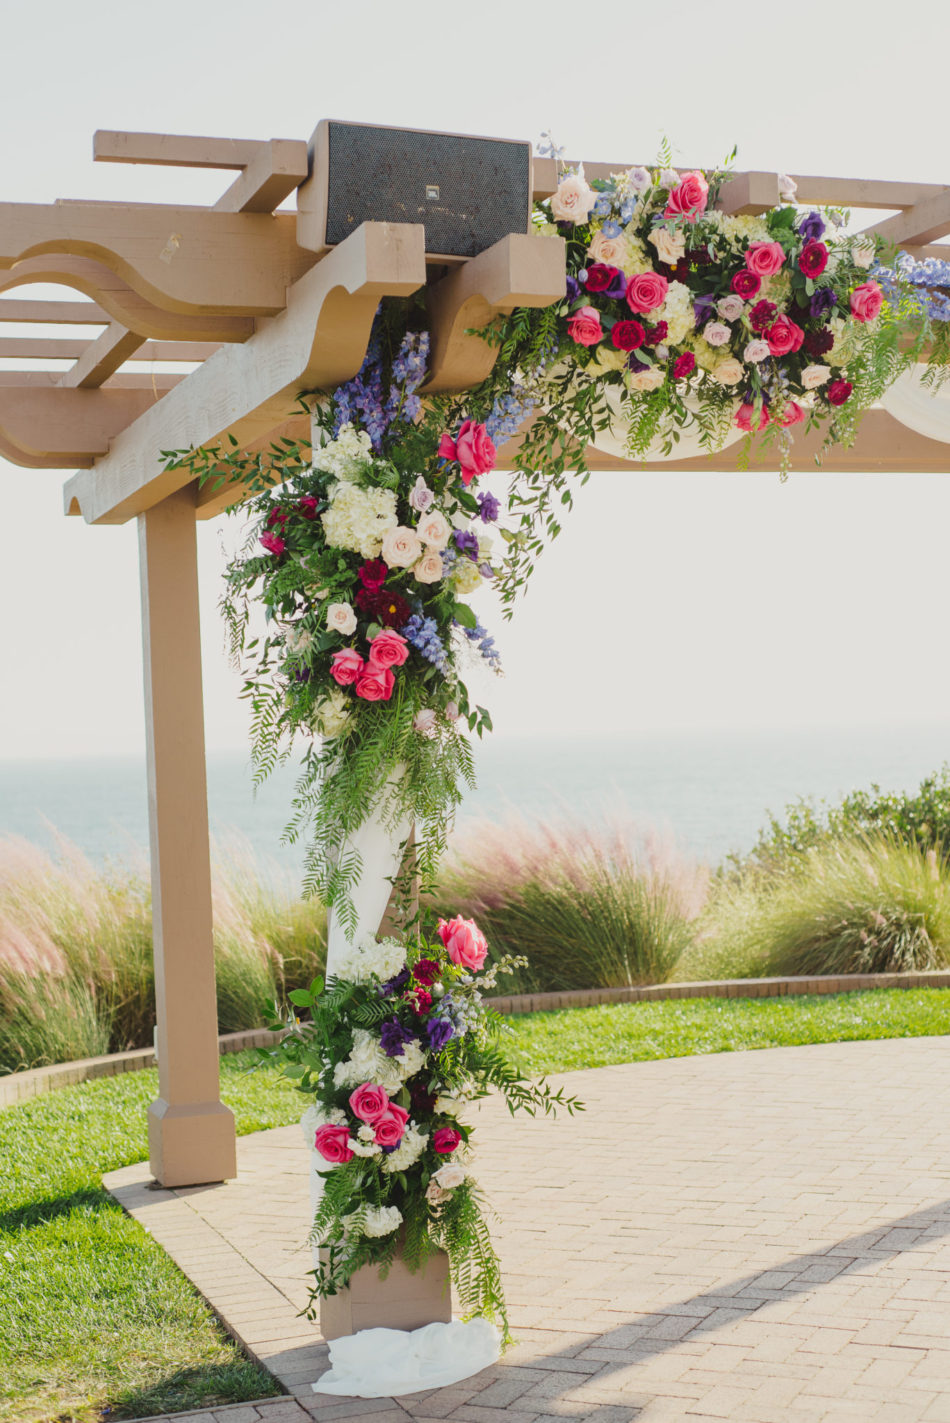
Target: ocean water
709	793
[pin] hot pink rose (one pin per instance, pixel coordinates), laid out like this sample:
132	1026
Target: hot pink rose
745	415
445	1140
765	258
273	543
388	649
369	1102
688	198
391	1127
866	301
784	336
331	1142
464	941
647	291
345	666
473	449
375	684
584	326
793	414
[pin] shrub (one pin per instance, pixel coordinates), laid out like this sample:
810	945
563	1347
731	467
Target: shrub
587	909
871	905
76	974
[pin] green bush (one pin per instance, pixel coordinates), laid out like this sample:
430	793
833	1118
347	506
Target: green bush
587	909
76	974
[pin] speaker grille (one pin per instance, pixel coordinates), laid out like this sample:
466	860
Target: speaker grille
469	192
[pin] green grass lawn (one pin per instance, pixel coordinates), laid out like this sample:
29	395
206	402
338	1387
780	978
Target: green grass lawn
94	1316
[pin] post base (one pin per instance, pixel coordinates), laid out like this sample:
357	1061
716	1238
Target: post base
192	1144
401	1301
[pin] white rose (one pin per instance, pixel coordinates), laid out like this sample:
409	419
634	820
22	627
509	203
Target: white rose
401	547
729	371
573	200
731	307
331	713
670	246
650	379
669	178
787	188
447	1106
638	179
814	376
862	253
341	618
449	1176
434	530
716	333
429	568
756	351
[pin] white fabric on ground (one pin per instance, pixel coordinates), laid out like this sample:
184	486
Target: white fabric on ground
386	1363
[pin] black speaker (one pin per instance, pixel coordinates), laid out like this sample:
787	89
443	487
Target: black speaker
468	192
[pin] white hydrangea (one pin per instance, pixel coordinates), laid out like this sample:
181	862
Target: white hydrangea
364	1148
677	312
369	1063
331	713
379	958
739	227
358	518
408	1151
448	1106
639	259
316	1116
382	1220
346	455
465	576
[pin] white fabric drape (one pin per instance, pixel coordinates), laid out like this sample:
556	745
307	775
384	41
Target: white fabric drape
385	1363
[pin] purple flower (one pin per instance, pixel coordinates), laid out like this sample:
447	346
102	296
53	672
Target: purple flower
439	1031
812	226
393	1038
703	308
573	289
618	287
488	508
395	985
822	300
466	542
634	365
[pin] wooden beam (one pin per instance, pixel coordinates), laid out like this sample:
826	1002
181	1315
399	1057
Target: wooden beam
517	271
927	220
173	150
54	313
278	167
42	348
185	259
245	391
43	425
102	357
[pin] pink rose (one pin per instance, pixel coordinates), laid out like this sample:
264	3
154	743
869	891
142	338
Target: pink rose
464	941
473	449
745	414
375	684
730	307
345	666
388	649
746	284
331	1142
273	543
793	414
716	333
369	1102
765	258
647	291
688	199
584	326
391	1127
445	1140
866	302
784	336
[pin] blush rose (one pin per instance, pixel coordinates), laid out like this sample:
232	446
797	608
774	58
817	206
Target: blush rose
464	941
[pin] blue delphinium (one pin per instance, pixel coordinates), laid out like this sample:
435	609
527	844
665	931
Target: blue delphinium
508	414
423	634
482	640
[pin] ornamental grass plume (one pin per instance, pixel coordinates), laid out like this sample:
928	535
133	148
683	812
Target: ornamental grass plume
76	974
869	905
587	907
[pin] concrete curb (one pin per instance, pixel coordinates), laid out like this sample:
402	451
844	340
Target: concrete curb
20	1086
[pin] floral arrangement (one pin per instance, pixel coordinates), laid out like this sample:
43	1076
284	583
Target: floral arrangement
399	1042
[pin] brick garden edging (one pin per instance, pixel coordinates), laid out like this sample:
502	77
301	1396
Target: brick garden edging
19	1086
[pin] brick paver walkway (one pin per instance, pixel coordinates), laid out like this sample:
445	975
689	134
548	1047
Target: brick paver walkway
752	1236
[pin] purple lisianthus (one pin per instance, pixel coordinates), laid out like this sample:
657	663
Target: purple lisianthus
634	365
812	226
488	507
395	985
393	1038
439	1031
703	308
822	301
573	290
466	542
618	287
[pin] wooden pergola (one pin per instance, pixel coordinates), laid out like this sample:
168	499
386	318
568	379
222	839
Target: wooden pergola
265	311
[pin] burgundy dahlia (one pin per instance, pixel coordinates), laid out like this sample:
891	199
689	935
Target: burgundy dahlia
387	608
816	343
762	315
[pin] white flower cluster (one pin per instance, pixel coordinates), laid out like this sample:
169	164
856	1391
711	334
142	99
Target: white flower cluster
740	227
315	1116
346	455
378	1220
331	713
677	312
408	1151
444	1182
371	958
369	1063
358	518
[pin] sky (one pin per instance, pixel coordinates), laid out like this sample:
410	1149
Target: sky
673	600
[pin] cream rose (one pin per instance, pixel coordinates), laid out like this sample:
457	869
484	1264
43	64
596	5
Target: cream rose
401	547
729	371
650	379
341	618
614	251
670	246
573	200
449	1176
429	568
434	530
814	376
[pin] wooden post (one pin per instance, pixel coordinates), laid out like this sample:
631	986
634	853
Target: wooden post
190	1131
